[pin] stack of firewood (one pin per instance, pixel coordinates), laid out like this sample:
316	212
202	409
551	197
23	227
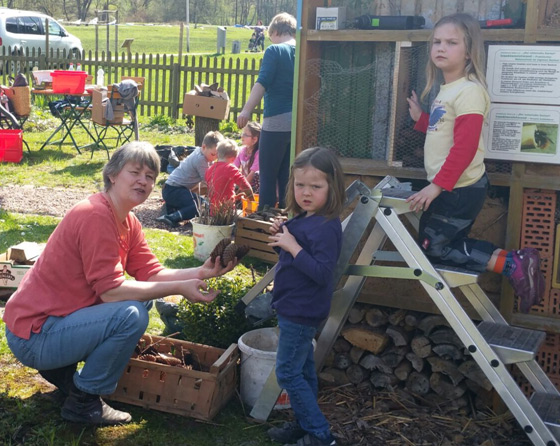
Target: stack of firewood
213	90
397	349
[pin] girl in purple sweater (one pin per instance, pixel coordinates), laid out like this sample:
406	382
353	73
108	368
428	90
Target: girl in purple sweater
309	246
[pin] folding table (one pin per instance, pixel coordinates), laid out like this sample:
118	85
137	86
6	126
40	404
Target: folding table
70	118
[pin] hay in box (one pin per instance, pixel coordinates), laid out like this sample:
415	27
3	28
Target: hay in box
199	386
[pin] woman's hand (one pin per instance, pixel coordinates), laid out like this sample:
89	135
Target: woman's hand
214	269
243	119
421	200
414	107
197	291
283	239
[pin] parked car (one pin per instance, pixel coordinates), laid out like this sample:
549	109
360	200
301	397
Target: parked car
27	29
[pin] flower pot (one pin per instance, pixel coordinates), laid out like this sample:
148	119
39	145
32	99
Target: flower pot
206	237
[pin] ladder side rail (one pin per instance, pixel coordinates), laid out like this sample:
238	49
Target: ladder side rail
414	219
343	302
463	326
259	286
354	228
536	376
482	304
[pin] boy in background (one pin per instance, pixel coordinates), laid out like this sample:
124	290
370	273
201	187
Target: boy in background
179	191
223	176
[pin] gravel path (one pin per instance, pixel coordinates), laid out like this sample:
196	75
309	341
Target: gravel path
56	201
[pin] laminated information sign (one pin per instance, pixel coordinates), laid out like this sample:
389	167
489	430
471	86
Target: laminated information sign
524	87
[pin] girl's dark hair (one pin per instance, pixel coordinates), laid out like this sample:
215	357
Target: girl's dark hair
255	129
140	152
327	162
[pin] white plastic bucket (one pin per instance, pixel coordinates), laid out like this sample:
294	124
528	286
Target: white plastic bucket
258	357
206	237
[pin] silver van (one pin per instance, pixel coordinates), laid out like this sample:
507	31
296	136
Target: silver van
27	29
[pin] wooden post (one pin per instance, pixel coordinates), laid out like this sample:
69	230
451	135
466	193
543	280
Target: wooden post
202	126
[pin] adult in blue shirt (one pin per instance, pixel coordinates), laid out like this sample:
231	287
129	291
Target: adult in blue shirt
276	84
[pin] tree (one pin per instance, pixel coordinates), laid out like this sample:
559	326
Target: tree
82	7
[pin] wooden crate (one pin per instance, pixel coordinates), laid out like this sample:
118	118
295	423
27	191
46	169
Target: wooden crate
255	233
191	393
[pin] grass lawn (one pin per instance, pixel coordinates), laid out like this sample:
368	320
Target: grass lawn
164	39
29	411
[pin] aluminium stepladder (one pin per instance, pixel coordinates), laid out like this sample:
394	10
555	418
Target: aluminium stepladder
493	343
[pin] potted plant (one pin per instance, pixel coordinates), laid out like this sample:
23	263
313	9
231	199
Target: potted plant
211	226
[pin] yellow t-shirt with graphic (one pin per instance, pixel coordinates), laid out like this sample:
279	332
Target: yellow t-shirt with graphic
458	98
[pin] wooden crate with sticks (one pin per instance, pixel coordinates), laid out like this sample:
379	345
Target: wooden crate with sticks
198	387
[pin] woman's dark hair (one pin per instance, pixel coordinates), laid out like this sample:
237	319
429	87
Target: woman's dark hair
327	162
140	152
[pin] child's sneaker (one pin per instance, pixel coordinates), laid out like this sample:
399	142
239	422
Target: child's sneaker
289	432
311	440
526	278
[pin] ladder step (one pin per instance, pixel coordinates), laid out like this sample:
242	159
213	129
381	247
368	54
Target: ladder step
512	344
393	192
547	407
456	277
395	199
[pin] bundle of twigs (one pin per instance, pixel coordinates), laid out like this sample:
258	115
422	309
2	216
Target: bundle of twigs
184	358
222	214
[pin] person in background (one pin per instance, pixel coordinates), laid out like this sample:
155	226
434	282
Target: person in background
223	176
76	304
275	83
248	158
454	161
309	246
182	189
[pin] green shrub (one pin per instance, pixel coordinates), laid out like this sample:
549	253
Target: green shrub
229	127
162	121
217	323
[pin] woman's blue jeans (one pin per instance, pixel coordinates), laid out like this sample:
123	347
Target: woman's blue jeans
295	372
104	336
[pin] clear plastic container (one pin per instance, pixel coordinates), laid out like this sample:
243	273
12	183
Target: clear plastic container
100	81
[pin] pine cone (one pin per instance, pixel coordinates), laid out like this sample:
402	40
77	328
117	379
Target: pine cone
229	254
242	251
218	250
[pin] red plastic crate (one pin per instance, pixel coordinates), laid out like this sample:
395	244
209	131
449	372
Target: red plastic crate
70	82
11	145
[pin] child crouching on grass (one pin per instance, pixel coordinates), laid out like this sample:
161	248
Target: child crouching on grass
179	194
309	246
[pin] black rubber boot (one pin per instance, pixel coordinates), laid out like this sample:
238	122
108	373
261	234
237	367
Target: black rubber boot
63	377
82	407
171	219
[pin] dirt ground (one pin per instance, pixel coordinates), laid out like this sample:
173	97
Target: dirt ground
56	201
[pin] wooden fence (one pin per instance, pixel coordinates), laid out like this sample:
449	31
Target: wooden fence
168	77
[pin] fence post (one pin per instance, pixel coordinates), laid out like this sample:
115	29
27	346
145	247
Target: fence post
42	61
175	90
